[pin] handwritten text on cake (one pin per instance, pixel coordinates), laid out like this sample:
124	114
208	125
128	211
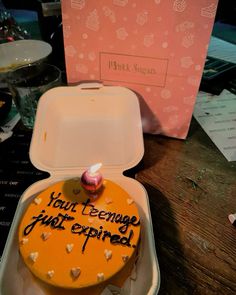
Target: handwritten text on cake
58	222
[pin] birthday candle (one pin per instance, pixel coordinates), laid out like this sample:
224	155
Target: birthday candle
92	179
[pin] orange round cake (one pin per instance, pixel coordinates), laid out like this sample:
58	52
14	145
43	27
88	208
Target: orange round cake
73	241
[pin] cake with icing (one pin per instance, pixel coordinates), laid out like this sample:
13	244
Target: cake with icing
75	242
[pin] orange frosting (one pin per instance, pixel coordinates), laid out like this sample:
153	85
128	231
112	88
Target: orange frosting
70	239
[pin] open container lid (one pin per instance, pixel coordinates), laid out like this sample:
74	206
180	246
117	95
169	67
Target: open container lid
77	126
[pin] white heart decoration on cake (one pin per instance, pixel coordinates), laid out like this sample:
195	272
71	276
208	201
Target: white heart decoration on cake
37	201
75	271
33	256
108	254
125	257
24	241
45	235
69	247
51	273
130	201
108	201
100	276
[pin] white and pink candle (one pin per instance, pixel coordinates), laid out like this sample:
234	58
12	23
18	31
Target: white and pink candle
92	179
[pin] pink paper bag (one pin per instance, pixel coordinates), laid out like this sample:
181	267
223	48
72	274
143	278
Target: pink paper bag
157	48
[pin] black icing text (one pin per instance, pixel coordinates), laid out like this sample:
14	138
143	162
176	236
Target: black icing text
126	220
56	202
55	222
91	232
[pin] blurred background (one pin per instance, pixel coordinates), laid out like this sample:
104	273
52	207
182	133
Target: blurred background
42	20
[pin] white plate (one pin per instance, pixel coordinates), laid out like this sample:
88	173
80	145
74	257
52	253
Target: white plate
17	53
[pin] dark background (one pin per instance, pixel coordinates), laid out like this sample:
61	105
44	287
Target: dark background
226	8
51	27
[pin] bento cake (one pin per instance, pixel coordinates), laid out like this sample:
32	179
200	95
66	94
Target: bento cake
78	243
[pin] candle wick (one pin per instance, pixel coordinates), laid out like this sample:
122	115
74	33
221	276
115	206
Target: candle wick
94	168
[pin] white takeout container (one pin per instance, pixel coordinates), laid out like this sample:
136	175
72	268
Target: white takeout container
75	127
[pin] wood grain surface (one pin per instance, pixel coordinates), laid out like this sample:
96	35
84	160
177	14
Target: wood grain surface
192	189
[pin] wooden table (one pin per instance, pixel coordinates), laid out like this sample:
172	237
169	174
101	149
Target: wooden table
192	189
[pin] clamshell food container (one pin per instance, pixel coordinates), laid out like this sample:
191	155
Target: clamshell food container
75	127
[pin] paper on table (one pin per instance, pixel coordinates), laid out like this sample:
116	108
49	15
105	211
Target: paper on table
222	49
217	116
